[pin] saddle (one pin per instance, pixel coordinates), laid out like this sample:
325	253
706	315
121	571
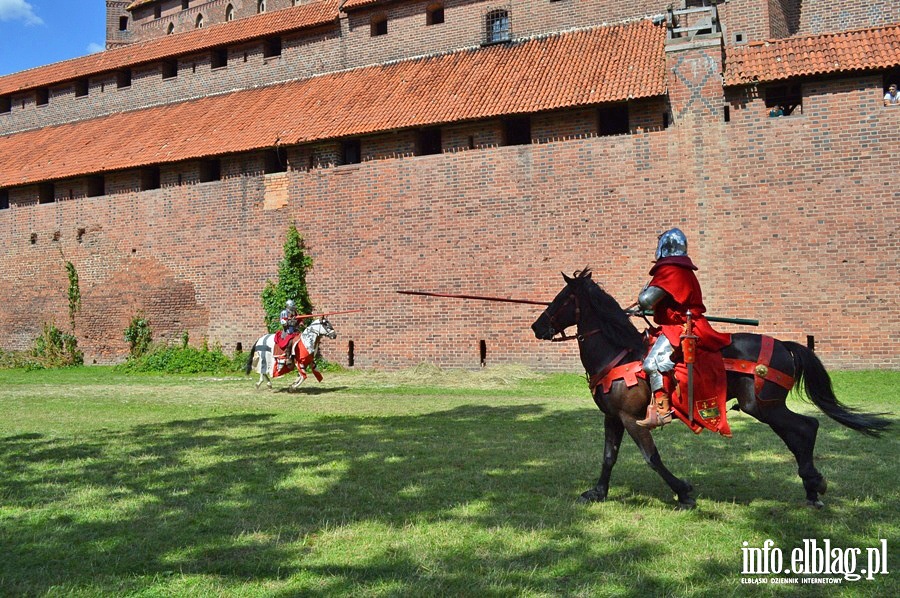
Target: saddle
710	382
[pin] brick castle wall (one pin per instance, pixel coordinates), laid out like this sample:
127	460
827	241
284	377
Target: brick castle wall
790	220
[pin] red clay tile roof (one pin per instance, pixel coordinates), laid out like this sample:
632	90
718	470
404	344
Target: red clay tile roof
351	4
573	69
775	60
198	40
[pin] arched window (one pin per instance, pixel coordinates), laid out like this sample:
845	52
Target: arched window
434	14
170	29
229	13
496	26
199	22
260	6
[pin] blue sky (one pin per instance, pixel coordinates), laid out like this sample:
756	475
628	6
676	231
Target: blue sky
38	32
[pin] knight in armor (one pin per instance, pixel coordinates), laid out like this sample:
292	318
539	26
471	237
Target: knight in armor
289	317
289	327
672	292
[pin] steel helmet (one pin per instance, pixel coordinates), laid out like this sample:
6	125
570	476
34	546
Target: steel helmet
672	242
290	304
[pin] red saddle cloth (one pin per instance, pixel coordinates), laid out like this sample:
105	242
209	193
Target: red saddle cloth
282	340
710	393
301	357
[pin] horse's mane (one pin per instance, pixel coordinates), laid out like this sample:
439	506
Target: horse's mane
615	324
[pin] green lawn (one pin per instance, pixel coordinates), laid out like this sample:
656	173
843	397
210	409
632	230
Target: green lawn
419	483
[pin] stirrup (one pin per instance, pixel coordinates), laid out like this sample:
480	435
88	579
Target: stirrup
654	418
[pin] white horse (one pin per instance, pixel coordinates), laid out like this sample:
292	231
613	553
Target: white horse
263	360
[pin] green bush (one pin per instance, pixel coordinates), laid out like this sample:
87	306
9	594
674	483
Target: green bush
55	348
184	359
139	335
291	282
10	360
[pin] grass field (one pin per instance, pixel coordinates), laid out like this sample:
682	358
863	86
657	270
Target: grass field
418	483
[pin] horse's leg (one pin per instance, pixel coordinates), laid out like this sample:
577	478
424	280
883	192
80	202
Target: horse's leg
301	376
644	440
798	432
613	432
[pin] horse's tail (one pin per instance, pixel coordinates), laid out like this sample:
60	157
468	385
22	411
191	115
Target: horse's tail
810	375
249	366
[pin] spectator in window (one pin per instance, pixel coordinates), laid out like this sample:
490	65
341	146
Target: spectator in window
892	97
776	111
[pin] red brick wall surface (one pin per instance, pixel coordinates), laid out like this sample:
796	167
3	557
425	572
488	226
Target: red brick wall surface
791	221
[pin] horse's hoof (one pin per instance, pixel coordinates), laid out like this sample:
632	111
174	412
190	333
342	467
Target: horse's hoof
686	504
592	495
815	504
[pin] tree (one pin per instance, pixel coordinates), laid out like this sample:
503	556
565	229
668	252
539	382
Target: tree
291	281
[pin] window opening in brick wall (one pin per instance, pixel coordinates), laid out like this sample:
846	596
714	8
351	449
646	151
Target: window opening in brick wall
726	113
123	23
351	152
46	193
378	25
272	47
497	28
275	160
434	14
79	235
42	96
229	13
4	199
169	69
170	29
351	357
5	104
787	96
218	58
612	120
198	22
482	353
429	141
157	11
123	78
150	178
81	88
33	238
891	77
260	6
517	130
57	235
96	186
211	170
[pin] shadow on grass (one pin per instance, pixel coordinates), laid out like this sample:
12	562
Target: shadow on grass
244	497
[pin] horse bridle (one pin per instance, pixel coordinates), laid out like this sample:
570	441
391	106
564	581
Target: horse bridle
573	296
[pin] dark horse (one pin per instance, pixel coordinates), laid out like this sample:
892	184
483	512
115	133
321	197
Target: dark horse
605	332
